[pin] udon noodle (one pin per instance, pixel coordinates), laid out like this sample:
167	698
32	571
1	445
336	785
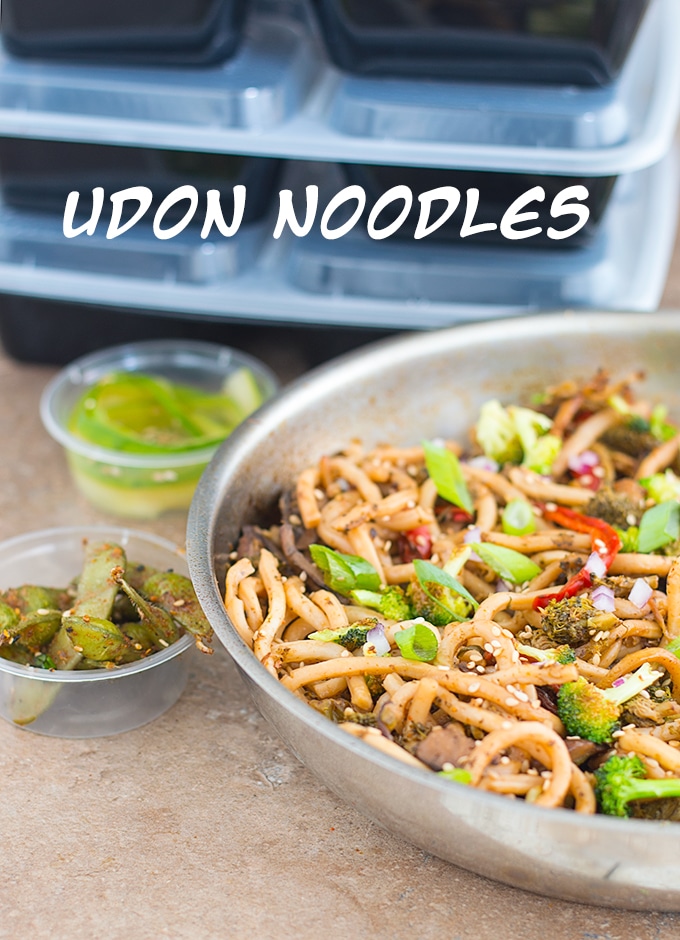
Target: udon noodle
444	601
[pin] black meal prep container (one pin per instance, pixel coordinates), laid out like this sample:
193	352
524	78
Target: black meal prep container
38	175
55	332
140	32
580	42
496	193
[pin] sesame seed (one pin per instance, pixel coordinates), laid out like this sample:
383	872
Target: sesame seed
319	494
506	725
551	507
386	518
535	703
546	774
496	631
411	504
505	760
473	687
480	669
596	659
617	734
514	656
233	556
522	696
303	578
645	693
508	634
488	647
510	701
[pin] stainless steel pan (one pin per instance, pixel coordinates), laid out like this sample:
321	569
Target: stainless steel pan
426	385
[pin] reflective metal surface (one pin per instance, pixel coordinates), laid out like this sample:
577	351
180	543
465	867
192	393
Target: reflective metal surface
427	385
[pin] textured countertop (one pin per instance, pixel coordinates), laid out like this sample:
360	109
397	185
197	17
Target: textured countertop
202	824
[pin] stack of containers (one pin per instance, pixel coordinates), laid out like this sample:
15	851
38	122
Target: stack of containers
476	94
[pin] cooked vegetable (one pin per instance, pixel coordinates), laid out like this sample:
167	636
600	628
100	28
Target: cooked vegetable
96	631
624	779
593	713
520	641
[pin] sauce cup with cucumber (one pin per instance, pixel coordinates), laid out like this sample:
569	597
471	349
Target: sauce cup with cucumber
140	422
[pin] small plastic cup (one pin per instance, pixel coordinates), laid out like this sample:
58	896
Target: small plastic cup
140	485
95	702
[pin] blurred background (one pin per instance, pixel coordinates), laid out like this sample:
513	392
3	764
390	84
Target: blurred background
496	96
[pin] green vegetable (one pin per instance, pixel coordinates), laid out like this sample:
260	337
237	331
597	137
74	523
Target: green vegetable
456	774
629	538
674	647
517	435
345	573
658	425
43	661
418	642
571	619
447	476
391	603
659	525
560	654
623	779
518	518
662	487
443	591
146	414
593	713
352	637
497	435
510	565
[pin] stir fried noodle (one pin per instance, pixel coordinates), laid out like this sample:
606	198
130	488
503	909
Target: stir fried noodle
505	613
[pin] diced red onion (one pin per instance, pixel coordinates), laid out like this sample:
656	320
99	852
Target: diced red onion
603	598
595	565
640	593
583	462
473	535
617	682
377	639
482	462
502	585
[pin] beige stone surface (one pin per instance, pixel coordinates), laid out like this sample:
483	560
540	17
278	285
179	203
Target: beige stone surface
202	824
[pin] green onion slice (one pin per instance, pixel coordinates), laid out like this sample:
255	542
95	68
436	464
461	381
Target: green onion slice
417	642
518	518
510	565
659	526
446	474
345	573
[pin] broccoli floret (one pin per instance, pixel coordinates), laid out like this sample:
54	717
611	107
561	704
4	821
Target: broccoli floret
352	637
662	486
594	713
497	435
569	620
394	605
629	538
564	655
391	602
617	509
623	779
517	435
433	610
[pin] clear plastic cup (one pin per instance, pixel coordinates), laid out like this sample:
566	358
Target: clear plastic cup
95	702
142	485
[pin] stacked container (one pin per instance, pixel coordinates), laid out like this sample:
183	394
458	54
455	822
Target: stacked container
479	95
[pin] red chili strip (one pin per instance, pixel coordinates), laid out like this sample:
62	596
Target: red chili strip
605	542
416	543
